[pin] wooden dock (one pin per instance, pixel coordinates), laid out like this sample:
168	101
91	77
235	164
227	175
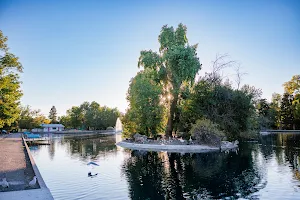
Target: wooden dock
43	140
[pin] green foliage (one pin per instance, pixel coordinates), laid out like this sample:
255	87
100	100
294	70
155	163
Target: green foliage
66	121
286	111
90	116
146	114
53	115
207	125
252	134
293	86
10	92
207	132
296	109
30	119
230	108
290	108
177	63
275	106
129	126
237	111
267	114
75	116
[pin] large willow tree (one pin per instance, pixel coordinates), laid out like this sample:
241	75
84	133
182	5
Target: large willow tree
10	92
175	64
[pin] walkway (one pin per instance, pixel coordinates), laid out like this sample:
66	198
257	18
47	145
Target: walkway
18	169
13	162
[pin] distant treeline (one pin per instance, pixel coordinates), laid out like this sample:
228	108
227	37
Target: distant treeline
90	116
283	112
87	116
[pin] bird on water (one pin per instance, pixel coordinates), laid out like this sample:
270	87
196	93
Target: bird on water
5	183
32	182
93	163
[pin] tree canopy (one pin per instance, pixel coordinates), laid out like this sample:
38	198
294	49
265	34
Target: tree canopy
293	86
90	116
175	64
167	84
30	119
146	113
53	115
10	92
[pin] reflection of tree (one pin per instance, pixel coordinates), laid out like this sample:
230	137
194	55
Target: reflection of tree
286	149
267	143
173	176
144	173
84	148
51	149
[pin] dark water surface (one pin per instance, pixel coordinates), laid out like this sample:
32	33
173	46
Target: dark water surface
268	169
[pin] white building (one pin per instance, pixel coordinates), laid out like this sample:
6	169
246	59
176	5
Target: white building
52	127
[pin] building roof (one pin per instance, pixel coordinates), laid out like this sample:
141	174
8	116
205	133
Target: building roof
52	125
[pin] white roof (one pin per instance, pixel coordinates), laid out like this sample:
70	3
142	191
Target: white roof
52	125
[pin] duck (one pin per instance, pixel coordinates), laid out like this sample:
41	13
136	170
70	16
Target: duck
33	182
92	175
4	183
181	140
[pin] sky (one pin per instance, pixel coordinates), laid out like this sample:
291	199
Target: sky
75	51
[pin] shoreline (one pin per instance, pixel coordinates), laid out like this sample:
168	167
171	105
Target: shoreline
83	134
173	148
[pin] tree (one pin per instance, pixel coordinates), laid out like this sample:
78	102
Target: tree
76	117
293	86
175	64
90	116
215	99
146	113
230	109
10	92
296	109
30	119
66	121
267	114
53	115
275	106
286	111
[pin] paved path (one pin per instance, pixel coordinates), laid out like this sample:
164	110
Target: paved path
19	169
13	165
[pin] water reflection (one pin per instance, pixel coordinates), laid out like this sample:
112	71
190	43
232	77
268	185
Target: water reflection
87	148
269	169
153	175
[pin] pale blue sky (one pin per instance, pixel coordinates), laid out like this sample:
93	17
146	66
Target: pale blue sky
75	51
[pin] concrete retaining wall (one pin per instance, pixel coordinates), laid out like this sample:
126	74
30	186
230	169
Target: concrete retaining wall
169	148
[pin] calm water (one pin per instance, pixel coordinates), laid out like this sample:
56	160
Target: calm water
265	170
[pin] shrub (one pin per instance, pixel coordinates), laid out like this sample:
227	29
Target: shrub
184	135
207	132
129	128
249	135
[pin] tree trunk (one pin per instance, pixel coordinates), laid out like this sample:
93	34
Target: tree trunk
294	126
173	105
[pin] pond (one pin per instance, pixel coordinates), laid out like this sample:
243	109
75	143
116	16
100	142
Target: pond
268	169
